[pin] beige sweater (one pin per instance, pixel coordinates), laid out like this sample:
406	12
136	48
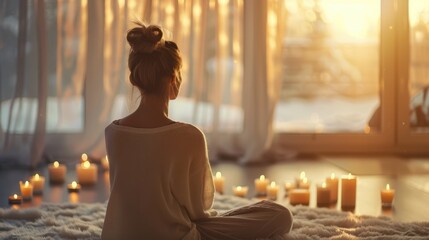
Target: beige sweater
161	182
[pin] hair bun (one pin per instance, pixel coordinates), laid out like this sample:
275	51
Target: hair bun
144	39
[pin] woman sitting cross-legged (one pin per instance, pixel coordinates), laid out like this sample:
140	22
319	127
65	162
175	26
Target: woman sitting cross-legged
160	175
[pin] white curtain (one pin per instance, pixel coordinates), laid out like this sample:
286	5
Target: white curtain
70	81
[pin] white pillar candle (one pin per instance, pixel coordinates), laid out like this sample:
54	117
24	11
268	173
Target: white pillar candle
299	196
240	191
57	172
272	191
332	184
323	195
219	182
261	184
38	183
26	190
348	192
387	196
86	173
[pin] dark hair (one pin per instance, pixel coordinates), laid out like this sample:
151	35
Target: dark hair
152	60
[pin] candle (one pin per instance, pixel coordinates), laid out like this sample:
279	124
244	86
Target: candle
86	173
288	186
304	183
26	190
323	195
299	196
73	187
332	184
219	182
38	183
272	191
301	177
240	191
348	192
105	163
15	199
261	184
83	158
387	196
57	172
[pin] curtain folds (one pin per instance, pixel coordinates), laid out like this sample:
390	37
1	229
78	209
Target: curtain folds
71	80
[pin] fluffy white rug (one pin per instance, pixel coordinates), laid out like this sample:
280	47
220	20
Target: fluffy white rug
84	221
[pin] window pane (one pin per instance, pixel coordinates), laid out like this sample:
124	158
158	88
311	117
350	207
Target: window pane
331	66
419	65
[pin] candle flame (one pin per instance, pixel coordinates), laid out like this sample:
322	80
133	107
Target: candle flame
262	178
86	164
36	176
74	184
324	185
302	175
84	157
273	184
239	188
332	175
26	183
15	196
56	164
218	175
387	187
349	176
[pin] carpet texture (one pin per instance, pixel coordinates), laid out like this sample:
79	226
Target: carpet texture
84	221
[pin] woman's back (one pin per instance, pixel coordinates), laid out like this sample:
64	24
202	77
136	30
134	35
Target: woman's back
151	191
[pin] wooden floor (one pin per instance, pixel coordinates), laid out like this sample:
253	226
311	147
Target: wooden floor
409	177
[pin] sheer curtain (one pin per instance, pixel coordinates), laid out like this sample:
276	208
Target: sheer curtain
64	74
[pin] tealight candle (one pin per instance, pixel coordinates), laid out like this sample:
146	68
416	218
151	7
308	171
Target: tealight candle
57	172
38	183
15	199
261	184
332	184
299	196
323	195
73	187
387	196
105	163
219	182
348	192
26	190
272	191
240	191
86	173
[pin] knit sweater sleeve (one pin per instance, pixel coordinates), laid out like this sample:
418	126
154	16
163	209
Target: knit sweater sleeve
197	199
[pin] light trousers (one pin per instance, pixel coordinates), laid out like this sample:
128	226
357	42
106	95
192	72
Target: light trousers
263	219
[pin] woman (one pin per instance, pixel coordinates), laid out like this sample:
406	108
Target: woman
161	180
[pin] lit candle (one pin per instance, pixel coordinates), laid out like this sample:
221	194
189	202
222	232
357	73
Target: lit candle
298	180
105	163
323	195
261	184
387	196
26	190
57	172
83	157
219	182
73	187
304	183
288	186
38	183
86	173
240	191
332	184
299	196
348	192
15	199
272	191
